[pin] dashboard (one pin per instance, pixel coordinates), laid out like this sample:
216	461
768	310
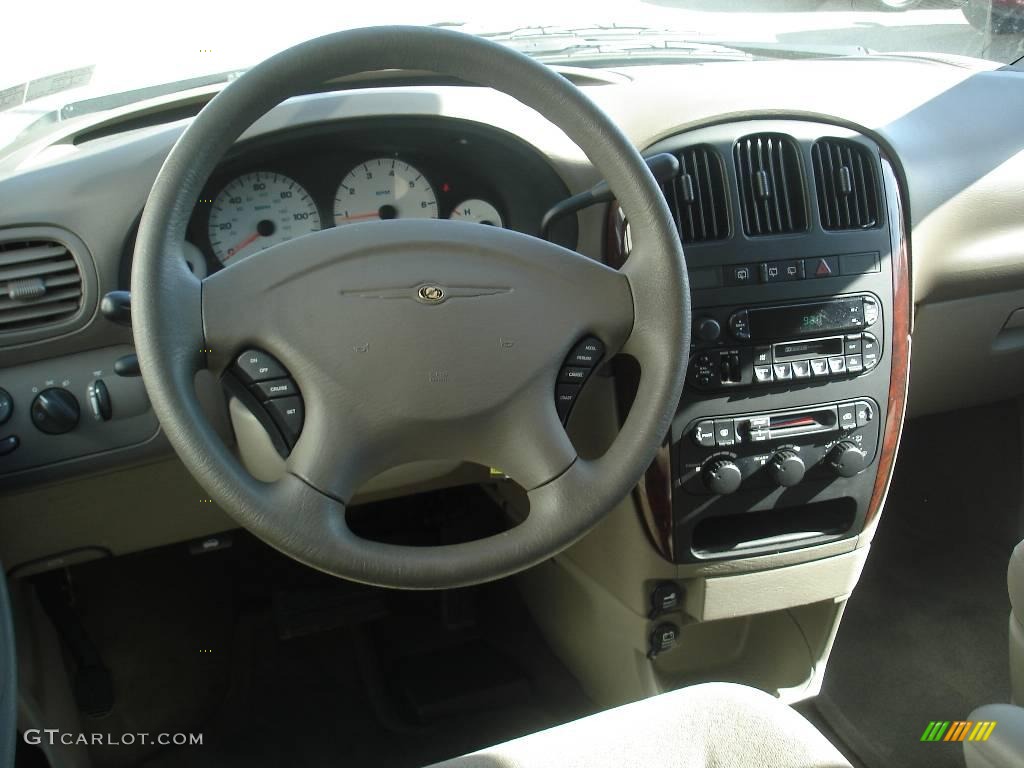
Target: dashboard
934	250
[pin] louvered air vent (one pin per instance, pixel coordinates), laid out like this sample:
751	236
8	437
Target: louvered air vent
771	185
844	173
699	193
40	284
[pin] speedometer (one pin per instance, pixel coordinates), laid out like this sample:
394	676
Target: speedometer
384	188
258	210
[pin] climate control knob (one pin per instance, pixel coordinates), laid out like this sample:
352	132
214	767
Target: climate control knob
847	460
722	476
55	411
786	468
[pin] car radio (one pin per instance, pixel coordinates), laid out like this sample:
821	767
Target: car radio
785	342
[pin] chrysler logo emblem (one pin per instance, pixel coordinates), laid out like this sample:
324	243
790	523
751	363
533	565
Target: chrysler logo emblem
431	294
427	293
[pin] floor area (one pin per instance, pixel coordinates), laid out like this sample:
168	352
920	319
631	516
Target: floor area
924	636
276	664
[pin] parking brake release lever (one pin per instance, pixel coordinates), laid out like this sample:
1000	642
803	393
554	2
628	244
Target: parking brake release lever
663	167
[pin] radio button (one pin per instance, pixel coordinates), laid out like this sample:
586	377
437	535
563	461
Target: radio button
783	371
871	351
762	374
725	432
837	365
801	369
739	324
704	434
854	363
852	345
762	355
870	311
819	367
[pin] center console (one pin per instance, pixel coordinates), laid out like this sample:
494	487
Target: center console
785	434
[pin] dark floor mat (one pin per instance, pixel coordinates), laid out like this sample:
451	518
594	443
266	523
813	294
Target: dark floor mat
924	636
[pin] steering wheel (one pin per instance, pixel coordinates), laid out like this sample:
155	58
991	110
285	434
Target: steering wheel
412	339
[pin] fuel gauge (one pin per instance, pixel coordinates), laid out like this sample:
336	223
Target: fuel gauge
477	211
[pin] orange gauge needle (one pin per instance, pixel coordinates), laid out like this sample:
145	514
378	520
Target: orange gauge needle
373	215
250	239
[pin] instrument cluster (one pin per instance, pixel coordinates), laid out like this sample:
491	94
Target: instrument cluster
293	185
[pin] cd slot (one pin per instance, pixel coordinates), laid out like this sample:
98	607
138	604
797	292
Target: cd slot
808	348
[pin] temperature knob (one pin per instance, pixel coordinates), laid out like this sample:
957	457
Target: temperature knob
786	468
847	460
55	411
722	476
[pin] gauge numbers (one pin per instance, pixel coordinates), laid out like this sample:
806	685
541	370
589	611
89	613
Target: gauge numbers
383	188
477	211
256	211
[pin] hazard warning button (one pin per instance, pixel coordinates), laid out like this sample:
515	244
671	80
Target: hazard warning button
823	266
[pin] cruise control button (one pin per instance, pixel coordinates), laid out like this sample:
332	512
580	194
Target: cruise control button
847	413
288	413
865	413
725	432
704	434
783	371
9	444
254	365
762	373
565	396
819	367
267	390
573	375
586	353
801	369
854	363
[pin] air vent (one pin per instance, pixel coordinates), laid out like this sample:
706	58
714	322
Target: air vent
40	284
844	173
699	193
771	186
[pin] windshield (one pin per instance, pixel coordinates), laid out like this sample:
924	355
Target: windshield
56	62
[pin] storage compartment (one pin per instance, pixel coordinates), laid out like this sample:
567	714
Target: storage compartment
773	528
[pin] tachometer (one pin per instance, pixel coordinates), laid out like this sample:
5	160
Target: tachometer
477	211
384	188
258	210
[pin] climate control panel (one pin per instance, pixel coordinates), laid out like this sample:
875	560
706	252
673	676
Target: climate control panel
736	452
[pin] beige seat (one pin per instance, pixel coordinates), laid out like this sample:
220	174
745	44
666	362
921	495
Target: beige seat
715	724
1005	747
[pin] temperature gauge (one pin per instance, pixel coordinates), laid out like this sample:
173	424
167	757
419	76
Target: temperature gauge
477	211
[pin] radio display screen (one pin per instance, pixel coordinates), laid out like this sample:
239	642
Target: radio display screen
807	319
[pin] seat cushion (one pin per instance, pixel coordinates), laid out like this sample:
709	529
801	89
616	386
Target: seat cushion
1015	583
1004	748
715	724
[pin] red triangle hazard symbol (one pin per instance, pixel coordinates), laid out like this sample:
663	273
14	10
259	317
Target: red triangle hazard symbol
823	269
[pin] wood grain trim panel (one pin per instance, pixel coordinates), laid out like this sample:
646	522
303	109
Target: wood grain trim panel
899	376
